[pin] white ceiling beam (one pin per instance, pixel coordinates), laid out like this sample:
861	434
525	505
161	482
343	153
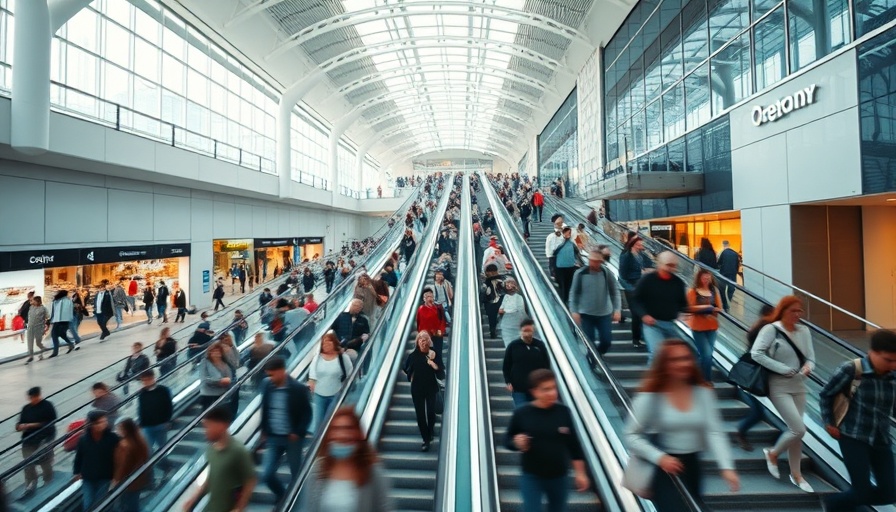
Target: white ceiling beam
444	107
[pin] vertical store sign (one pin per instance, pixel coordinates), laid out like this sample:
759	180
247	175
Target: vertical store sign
206	281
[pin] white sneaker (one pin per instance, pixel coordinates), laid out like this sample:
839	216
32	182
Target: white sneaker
772	466
802	484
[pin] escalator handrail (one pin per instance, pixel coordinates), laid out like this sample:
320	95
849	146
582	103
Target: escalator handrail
49	447
111	498
526	256
413	276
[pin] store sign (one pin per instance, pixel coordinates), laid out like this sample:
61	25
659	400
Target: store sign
26	260
273	242
801	98
234	246
311	241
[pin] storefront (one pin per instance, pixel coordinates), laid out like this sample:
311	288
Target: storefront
311	248
264	258
47	271
684	234
273	256
229	254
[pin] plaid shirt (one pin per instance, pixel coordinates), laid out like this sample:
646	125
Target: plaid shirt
870	410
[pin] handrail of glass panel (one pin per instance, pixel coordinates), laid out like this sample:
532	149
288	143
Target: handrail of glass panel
183	374
252	317
382	351
575	351
344	292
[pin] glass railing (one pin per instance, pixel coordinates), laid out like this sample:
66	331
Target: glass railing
594	392
379	360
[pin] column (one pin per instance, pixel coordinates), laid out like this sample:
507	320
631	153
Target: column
30	129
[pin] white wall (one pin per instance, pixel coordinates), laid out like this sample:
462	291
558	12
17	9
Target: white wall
812	154
879	234
58	208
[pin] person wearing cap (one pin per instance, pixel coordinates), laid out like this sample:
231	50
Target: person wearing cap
201	337
36	425
285	416
553	241
95	458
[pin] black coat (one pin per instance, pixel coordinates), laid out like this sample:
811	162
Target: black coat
298	402
219	292
95	459
422	376
106	307
180	299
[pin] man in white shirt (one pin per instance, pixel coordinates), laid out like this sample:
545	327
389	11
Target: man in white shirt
553	241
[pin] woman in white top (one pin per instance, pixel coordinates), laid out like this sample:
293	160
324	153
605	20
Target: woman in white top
789	369
327	372
676	405
443	293
513	309
498	258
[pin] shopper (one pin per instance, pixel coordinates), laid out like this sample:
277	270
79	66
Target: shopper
119	302
364	291
583	239
107	401
36	423
329	276
201	337
265	297
512	311
552	242
162	295
216	376
729	265
352	327
785	348
25	308
633	264
79	311
326	374
675	401
180	302
94	462
61	313
658	299
243	275
493	294
285	417
155	409
705	304
308	280
149	297
864	432
408	244
538	203
36	327
103	309
545	434
166	351
240	327
231	473
432	319
218	295
131	453
595	301
707	255
259	350
424	369
137	363
521	357
756	410
310	304
443	292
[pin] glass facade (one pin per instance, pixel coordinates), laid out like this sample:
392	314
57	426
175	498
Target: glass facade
558	150
137	66
877	108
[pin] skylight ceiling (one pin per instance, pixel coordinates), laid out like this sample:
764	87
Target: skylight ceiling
436	74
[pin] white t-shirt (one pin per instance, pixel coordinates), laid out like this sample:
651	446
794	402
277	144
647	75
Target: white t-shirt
328	374
340	496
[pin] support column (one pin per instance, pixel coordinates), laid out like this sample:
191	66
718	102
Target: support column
30	128
362	152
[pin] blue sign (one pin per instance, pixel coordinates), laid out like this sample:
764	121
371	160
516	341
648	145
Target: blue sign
206	281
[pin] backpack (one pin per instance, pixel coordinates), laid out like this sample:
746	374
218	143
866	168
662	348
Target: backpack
71	444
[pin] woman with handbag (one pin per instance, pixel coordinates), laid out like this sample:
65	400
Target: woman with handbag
326	374
675	418
705	305
424	369
785	348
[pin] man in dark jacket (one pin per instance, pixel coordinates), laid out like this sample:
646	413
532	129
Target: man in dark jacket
35	424
103	309
522	357
95	458
154	410
285	416
729	264
265	297
658	299
162	302
352	327
218	295
180	302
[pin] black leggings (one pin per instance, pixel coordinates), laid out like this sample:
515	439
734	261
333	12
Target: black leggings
636	320
491	311
666	497
425	407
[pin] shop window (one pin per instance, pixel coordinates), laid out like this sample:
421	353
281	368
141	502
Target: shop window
732	78
771	58
812	29
873	14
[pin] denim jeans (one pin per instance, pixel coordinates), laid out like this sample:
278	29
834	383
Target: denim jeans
132	303
156	436
148	309
656	334
92	492
520	398
861	459
704	342
275	448
533	488
599	328
119	316
162	308
73	326
754	416
320	406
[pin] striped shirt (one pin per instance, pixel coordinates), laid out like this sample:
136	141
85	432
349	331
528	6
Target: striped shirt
870	410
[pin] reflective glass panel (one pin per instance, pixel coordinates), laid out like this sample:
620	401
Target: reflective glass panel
873	14
761	7
654	121
771	59
671	57
696	86
732	75
812	27
694	28
727	19
673	112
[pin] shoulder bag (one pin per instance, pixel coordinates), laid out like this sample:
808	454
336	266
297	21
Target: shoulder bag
842	400
749	375
639	473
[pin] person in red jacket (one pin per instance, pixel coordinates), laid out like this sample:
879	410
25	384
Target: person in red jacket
132	295
538	203
431	318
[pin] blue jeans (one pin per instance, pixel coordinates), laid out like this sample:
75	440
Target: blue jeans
533	488
599	328
275	447
656	334
156	436
161	308
119	315
520	399
73	326
148	309
754	416
93	491
704	342
320	405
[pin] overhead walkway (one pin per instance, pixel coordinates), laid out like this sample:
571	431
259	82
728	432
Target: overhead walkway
622	368
182	380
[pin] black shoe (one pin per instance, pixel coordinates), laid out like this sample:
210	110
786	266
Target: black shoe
742	442
29	360
52	356
103	336
28	492
70	348
638	345
424	447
